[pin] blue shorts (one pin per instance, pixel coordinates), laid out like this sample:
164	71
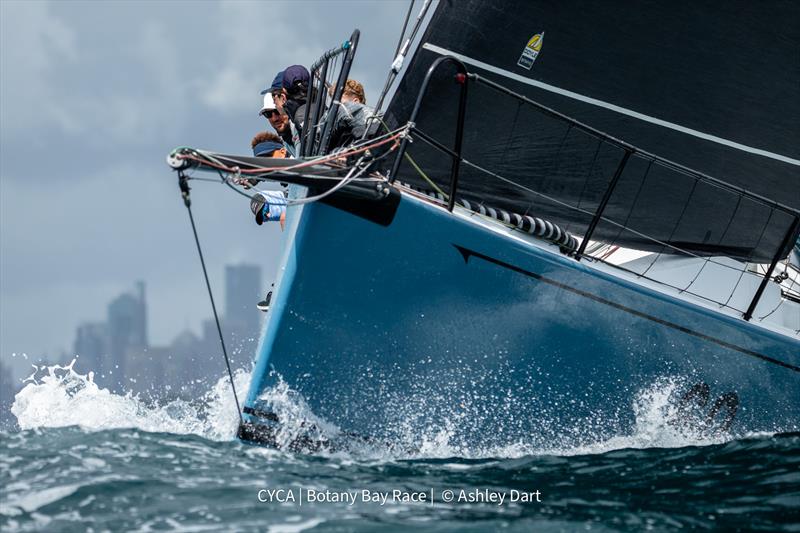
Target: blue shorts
275	205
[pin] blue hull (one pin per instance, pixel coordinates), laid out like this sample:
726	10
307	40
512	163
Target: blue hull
437	323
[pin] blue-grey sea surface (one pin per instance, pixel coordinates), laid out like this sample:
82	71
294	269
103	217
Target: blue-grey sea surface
84	459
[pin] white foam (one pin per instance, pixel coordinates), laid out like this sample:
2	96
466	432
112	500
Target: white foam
295	528
654	409
30	502
59	396
656	412
297	418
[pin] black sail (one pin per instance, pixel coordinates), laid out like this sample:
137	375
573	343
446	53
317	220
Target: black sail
712	87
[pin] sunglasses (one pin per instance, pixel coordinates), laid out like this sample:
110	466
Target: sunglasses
267	113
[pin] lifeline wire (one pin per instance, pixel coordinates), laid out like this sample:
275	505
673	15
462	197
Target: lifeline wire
188	203
351	175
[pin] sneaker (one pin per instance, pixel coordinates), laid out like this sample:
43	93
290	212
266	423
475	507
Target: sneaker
263	305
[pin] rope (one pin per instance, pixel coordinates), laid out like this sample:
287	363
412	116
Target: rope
207	159
184	186
347	179
425	176
535	226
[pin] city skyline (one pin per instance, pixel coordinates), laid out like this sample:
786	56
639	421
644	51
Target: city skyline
107	347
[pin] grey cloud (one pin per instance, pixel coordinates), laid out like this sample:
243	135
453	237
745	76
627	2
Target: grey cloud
33	43
92	97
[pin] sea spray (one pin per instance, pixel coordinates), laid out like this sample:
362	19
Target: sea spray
656	411
60	396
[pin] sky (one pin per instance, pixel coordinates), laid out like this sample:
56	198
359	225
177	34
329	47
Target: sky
93	96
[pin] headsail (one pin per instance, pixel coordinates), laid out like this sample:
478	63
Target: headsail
711	89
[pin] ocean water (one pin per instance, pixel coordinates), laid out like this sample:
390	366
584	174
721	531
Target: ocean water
85	459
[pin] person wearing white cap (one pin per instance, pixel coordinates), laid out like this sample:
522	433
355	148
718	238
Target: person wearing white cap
281	124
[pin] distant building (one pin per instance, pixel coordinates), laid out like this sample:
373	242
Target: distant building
152	372
243	290
127	327
157	371
118	351
210	336
93	347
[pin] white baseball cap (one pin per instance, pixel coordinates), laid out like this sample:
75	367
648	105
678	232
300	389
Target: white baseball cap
269	104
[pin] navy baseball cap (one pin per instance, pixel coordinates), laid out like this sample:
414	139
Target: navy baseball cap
266	148
295	74
277	83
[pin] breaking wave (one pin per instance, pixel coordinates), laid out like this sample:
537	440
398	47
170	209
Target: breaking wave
60	396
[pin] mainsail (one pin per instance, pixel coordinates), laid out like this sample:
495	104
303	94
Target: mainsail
715	89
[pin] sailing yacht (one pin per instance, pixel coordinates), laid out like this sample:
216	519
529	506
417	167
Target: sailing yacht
566	209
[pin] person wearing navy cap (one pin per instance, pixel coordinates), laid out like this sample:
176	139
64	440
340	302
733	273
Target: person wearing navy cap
290	98
277	84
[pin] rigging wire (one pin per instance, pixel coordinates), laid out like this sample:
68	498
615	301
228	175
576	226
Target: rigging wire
397	64
184	186
413	163
425	176
347	179
405	25
786	266
260	173
355	172
227	182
